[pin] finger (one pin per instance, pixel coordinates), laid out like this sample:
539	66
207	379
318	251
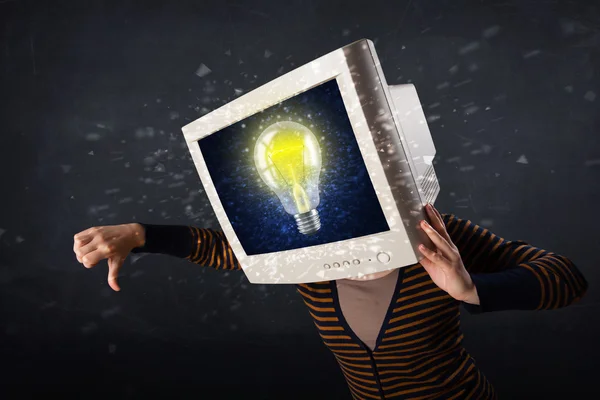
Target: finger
438	215
79	242
443	224
435	210
426	262
86	249
90	231
441	243
428	265
437	222
84	237
114	265
93	258
78	255
434	257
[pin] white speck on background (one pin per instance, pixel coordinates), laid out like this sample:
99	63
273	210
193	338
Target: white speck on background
461	83
532	53
567	27
203	70
471	110
144	132
48	305
93	137
110	312
134	257
491	31
468	48
590	96
486	148
89	328
523	160
136	274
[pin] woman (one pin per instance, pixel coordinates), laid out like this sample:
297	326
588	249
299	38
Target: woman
395	334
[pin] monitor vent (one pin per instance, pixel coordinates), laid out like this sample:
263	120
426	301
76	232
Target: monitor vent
430	185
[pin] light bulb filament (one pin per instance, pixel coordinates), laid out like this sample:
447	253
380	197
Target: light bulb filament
300	196
283	159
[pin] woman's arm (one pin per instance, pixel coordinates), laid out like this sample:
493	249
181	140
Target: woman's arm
513	275
205	247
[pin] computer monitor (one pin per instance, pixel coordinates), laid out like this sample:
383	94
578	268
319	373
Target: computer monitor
320	174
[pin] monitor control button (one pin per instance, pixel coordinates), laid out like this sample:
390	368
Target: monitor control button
356	262
327	266
383	258
336	265
346	263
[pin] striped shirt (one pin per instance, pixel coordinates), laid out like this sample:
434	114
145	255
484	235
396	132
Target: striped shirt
418	353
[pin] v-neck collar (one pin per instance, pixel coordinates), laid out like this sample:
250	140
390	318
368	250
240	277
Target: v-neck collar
388	314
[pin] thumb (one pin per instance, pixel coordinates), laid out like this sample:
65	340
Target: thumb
114	265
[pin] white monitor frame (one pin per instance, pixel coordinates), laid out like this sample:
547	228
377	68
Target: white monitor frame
357	72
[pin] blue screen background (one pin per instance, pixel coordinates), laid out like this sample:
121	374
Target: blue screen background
348	208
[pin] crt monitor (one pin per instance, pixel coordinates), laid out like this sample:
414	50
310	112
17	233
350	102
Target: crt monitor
320	174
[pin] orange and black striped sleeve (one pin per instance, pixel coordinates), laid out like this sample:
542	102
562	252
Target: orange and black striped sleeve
206	247
513	275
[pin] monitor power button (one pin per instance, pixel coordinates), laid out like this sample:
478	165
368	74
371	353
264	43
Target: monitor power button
383	258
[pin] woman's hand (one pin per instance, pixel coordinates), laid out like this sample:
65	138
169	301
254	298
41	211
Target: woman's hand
444	264
113	242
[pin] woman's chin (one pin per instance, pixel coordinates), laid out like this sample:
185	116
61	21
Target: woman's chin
370	277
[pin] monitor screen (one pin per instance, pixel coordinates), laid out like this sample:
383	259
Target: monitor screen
292	176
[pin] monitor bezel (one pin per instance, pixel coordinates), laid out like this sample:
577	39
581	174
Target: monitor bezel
309	264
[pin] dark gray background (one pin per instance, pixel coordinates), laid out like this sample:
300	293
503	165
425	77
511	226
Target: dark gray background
93	95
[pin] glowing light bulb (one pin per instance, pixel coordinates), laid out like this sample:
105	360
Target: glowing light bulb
288	159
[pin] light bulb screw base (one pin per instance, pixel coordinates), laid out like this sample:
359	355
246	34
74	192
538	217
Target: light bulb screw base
308	223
